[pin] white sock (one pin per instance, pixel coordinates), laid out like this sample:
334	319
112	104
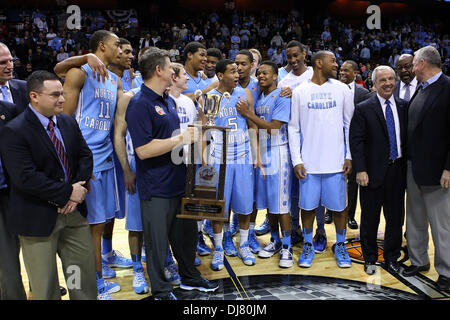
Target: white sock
218	237
226	227
243	236
199	226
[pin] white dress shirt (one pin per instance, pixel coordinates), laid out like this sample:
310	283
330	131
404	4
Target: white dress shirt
396	120
412	88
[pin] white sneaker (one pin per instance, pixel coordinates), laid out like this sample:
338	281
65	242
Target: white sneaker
286	260
270	249
140	285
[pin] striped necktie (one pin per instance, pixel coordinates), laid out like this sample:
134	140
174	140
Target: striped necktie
59	148
407	95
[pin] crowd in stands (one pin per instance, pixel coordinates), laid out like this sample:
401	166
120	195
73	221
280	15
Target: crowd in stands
40	39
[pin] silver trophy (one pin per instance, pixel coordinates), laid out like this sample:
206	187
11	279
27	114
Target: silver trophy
210	104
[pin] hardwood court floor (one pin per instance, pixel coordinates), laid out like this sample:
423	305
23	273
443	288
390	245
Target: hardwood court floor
324	264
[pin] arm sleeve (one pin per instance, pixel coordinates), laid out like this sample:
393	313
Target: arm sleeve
294	130
349	108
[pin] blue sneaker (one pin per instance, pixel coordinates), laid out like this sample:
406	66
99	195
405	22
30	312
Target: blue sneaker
263	228
117	260
253	242
234	225
112	287
286	259
228	245
307	256
320	241
296	236
342	258
246	255
171	274
102	293
202	248
107	272
140	285
207	228
270	249
197	261
217	259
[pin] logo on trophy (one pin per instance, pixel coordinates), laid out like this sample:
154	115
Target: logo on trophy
204	195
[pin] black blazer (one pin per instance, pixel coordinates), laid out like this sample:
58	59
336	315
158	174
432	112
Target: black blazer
430	147
369	141
361	94
37	186
397	89
19	94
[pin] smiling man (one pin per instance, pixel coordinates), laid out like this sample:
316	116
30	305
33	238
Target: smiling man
378	160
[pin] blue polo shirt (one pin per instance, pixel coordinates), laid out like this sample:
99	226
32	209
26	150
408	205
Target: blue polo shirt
151	116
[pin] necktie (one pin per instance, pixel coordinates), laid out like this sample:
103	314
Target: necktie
5	94
407	96
59	148
393	153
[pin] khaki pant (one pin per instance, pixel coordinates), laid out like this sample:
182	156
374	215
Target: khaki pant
71	240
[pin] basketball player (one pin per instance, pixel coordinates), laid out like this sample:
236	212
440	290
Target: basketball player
93	104
321	112
239	171
213	55
273	189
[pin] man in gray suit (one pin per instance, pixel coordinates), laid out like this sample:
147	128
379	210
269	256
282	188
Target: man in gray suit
428	167
347	75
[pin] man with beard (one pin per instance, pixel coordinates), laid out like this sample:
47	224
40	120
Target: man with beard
318	139
406	86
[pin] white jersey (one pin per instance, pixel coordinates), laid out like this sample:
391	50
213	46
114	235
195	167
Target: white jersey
292	81
318	129
187	113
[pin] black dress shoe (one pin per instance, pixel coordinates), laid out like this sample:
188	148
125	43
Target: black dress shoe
328	217
392	266
443	283
370	268
352	224
413	270
168	296
200	284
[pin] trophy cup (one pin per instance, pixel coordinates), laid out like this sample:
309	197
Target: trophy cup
206	200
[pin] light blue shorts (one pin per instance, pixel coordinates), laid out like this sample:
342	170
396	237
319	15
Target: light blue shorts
133	206
102	201
273	192
328	190
238	191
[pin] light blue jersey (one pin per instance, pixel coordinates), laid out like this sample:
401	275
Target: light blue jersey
95	115
238	147
128	83
282	72
195	84
253	88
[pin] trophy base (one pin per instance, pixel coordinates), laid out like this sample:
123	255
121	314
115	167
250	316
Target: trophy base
199	209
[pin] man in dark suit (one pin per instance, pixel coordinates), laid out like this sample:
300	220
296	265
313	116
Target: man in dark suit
407	85
11	90
11	287
428	167
49	164
347	75
377	144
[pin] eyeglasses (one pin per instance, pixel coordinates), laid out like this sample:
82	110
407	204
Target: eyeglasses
54	95
406	66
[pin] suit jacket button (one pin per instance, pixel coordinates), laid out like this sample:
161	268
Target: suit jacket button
62	180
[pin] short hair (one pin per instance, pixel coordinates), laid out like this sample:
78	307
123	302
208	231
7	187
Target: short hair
318	56
256	51
124	41
35	81
272	64
247	53
97	37
353	64
150	60
430	55
177	68
192	47
143	50
221	66
214	52
295	43
379	68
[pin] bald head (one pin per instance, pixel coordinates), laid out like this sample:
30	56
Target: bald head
405	68
6	64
